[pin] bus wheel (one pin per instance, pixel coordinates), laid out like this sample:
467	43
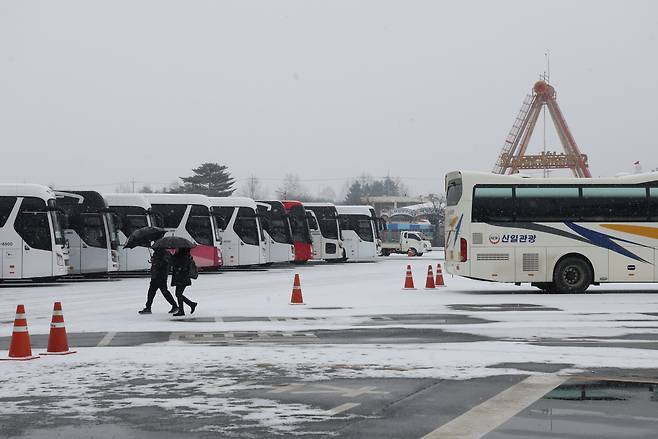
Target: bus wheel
413	252
572	275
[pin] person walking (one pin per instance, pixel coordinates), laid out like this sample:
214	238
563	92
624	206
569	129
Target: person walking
160	262
184	270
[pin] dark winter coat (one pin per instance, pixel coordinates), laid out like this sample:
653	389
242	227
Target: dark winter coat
160	263
181	269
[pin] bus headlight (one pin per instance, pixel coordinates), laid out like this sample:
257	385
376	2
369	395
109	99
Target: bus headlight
60	259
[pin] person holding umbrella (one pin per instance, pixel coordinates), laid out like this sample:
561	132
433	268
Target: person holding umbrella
160	262
183	269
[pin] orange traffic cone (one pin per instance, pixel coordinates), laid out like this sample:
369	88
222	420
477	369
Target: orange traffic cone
296	298
409	280
439	277
429	282
58	343
20	348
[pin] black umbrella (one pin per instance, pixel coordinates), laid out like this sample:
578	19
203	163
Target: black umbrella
173	242
144	236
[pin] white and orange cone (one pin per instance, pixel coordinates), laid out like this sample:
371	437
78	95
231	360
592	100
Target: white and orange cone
20	348
58	343
296	298
439	277
429	282
409	280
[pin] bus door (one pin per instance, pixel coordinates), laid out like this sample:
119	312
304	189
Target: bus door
75	250
350	238
92	248
224	223
366	243
33	226
316	234
251	247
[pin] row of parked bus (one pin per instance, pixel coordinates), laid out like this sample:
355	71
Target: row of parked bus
46	234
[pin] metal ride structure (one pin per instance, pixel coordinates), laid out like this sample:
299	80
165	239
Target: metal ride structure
513	155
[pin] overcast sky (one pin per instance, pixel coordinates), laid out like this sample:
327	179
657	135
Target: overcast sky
98	93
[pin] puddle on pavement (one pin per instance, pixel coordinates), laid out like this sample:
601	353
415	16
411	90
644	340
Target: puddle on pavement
585	408
501	307
100	431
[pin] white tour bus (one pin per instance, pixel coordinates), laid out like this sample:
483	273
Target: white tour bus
360	230
325	231
277	230
188	216
90	232
238	226
559	234
32	244
131	212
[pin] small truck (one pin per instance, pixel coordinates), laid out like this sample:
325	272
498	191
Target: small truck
413	243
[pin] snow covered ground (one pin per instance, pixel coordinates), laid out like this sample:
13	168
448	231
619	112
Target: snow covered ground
101	379
336	296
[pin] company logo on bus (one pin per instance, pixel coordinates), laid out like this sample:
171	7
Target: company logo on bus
494	238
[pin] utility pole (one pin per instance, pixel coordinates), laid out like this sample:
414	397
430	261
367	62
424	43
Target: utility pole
133	184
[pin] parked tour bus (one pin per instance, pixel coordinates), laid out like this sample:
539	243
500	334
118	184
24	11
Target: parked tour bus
325	231
559	234
90	232
131	212
238	226
278	234
188	216
360	228
32	244
301	234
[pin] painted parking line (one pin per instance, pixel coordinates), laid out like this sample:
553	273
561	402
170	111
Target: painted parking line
107	339
493	412
341	408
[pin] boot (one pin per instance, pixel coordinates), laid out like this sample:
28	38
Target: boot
178	313
193	307
145	311
174	309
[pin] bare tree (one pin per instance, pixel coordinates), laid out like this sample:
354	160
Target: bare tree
253	189
291	188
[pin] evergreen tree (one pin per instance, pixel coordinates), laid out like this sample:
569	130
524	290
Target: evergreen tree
354	193
210	179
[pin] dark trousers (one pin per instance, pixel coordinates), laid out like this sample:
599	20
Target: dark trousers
153	288
181	298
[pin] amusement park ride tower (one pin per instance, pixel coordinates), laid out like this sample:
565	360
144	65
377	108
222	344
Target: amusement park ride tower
513	155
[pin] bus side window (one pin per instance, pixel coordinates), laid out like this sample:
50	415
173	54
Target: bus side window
32	224
6	206
493	204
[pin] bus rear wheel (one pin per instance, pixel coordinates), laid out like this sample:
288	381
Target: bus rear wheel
572	275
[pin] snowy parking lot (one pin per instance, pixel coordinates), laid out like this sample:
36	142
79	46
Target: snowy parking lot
248	363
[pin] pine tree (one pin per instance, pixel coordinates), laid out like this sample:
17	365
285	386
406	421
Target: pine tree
210	179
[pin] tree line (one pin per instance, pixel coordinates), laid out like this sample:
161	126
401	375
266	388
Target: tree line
215	180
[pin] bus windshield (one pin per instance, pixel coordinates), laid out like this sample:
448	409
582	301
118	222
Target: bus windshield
114	235
299	226
56	218
199	225
328	221
90	228
246	226
360	224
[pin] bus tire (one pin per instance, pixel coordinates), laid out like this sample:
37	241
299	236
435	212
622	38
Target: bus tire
413	252
386	252
572	274
419	254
